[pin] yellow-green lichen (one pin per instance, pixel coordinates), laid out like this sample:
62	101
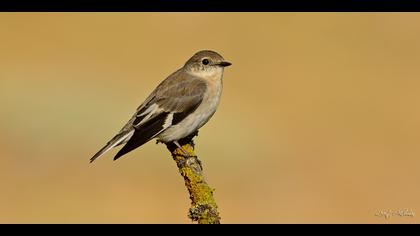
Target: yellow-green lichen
203	206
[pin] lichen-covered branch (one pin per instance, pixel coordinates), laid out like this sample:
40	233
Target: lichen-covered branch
203	206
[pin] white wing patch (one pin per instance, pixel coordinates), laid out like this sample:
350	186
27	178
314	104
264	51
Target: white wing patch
150	111
168	121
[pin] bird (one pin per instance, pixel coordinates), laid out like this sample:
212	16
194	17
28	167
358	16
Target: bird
179	106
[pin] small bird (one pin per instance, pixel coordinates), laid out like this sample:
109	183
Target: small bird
178	107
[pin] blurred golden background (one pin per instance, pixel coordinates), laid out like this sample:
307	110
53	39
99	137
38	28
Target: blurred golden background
319	120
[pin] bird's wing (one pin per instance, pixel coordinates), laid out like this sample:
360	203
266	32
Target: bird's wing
173	100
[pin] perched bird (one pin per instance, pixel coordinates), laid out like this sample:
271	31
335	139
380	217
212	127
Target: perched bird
178	107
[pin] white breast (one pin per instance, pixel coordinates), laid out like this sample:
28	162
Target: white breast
199	117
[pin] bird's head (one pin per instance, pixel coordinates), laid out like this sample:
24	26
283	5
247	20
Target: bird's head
206	63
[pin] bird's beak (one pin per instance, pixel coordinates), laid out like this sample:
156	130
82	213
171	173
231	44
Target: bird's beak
224	64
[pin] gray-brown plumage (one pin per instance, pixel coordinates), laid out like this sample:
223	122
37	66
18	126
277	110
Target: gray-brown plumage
178	107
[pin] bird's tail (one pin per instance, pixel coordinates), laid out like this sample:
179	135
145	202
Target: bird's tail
119	139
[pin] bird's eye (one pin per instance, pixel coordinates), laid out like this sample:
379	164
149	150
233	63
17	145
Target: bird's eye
205	61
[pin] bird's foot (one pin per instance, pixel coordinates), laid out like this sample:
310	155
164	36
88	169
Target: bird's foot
192	162
189	159
186	154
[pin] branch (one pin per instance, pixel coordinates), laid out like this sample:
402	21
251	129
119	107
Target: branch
203	206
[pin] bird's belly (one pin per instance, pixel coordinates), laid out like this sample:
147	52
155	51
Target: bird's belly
192	122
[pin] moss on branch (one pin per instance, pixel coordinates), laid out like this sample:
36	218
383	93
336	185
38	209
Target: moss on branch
203	206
